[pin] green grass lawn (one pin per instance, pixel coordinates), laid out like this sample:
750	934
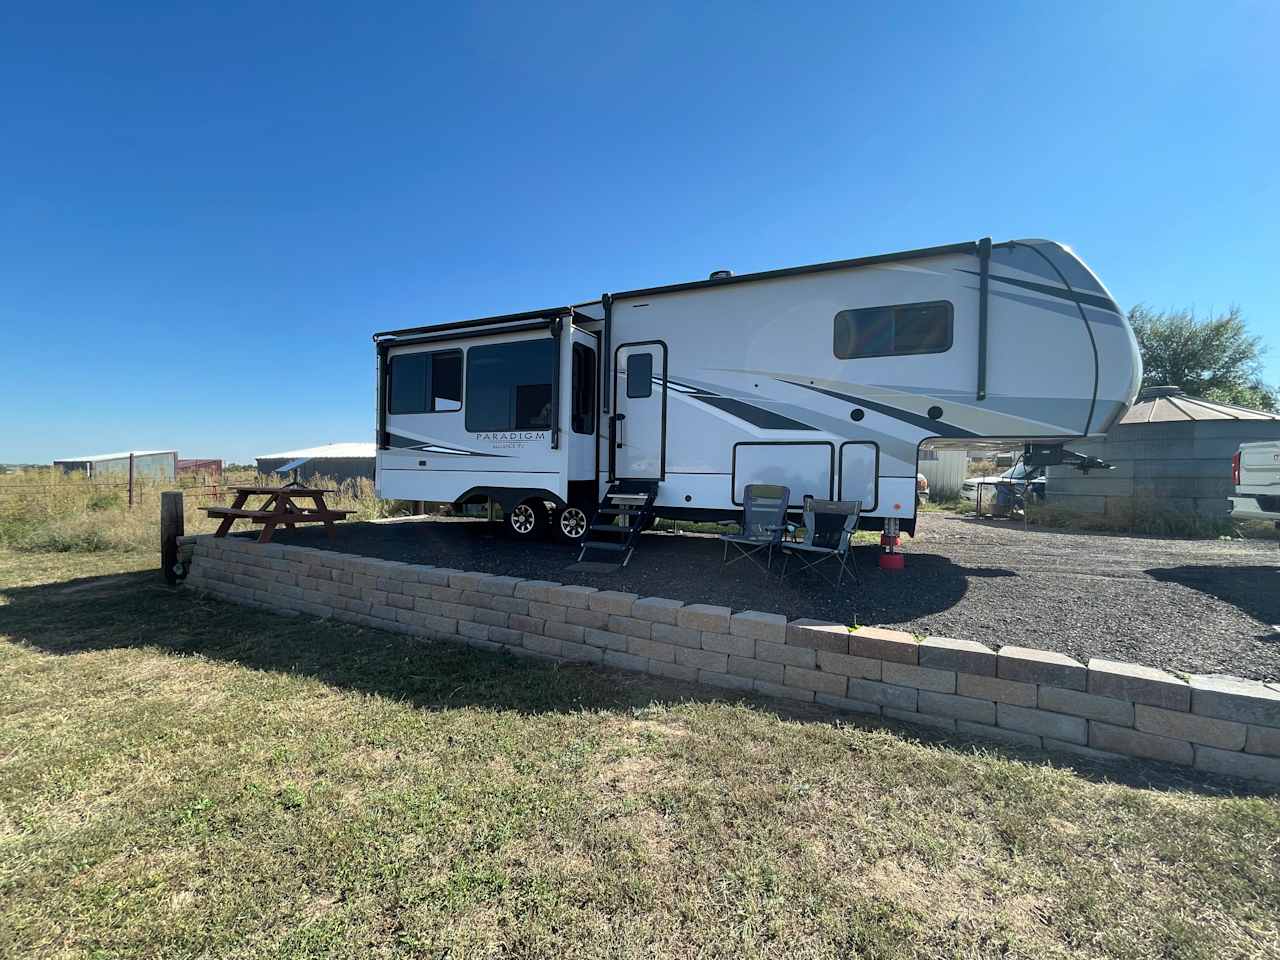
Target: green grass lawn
181	777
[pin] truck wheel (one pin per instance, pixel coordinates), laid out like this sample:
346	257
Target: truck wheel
571	524
527	521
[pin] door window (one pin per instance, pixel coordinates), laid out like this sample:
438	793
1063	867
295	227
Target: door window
640	376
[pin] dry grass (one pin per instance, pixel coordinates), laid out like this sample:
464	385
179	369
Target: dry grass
181	777
1150	517
43	510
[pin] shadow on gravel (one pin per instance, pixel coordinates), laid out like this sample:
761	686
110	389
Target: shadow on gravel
137	611
1255	591
680	566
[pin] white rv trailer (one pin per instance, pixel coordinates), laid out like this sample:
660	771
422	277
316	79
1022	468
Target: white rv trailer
825	378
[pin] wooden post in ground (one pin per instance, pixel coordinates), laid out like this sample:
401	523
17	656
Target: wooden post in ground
131	480
171	528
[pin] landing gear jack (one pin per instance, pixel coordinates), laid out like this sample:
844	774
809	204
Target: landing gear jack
890	557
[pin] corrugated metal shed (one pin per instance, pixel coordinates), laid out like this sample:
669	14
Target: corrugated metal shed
152	464
1171	452
339	461
945	469
205	468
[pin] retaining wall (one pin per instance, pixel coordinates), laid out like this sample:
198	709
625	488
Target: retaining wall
1021	696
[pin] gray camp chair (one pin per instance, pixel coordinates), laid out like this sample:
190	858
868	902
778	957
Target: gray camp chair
829	525
764	517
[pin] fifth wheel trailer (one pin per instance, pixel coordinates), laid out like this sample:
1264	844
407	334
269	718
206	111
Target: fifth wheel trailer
825	378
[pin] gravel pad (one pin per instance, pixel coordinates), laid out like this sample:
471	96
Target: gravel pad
1200	606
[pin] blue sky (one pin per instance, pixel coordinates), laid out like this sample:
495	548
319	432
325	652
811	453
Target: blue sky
190	193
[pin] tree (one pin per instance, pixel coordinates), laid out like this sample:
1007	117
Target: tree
1215	357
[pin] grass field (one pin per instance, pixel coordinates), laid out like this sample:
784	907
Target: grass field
44	510
181	777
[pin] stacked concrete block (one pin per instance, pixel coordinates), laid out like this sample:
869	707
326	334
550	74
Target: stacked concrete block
1016	696
1180	466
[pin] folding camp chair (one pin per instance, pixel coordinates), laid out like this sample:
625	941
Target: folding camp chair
764	517
829	525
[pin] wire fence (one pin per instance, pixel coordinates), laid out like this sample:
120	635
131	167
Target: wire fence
52	491
132	493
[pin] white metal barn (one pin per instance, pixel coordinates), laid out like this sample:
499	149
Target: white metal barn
337	461
151	464
669	400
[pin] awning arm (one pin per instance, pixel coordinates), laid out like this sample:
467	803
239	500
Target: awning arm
984	271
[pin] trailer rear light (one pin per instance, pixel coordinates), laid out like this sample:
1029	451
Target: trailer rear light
1235	469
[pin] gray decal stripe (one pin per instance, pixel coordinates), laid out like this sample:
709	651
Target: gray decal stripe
756	416
935	427
1075	296
426	446
398	441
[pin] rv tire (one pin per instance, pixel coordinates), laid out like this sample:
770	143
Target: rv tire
527	520
571	524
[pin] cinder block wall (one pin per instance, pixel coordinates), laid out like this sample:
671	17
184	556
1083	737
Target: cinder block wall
1183	467
1017	695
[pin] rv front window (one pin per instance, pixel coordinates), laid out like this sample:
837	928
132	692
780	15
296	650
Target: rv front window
425	382
893	330
509	386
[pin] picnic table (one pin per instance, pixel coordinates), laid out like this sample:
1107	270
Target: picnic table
281	508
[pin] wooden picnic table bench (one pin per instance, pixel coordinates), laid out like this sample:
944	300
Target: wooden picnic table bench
279	509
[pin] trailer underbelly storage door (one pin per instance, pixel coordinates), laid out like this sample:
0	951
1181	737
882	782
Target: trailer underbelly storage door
640	404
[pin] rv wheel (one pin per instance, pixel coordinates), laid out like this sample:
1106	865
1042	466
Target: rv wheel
527	521
571	524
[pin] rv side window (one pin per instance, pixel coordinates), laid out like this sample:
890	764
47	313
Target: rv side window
446	381
640	375
584	389
425	382
893	331
509	386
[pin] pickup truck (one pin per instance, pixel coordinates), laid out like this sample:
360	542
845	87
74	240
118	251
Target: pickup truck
1255	471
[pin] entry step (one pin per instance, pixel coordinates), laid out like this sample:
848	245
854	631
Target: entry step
632	500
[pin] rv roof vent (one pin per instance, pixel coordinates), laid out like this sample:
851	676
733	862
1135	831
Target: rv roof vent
720	274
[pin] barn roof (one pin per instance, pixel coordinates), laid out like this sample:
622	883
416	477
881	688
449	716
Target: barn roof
1171	404
330	451
124	455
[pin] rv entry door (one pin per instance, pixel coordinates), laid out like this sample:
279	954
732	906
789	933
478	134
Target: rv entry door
638	427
